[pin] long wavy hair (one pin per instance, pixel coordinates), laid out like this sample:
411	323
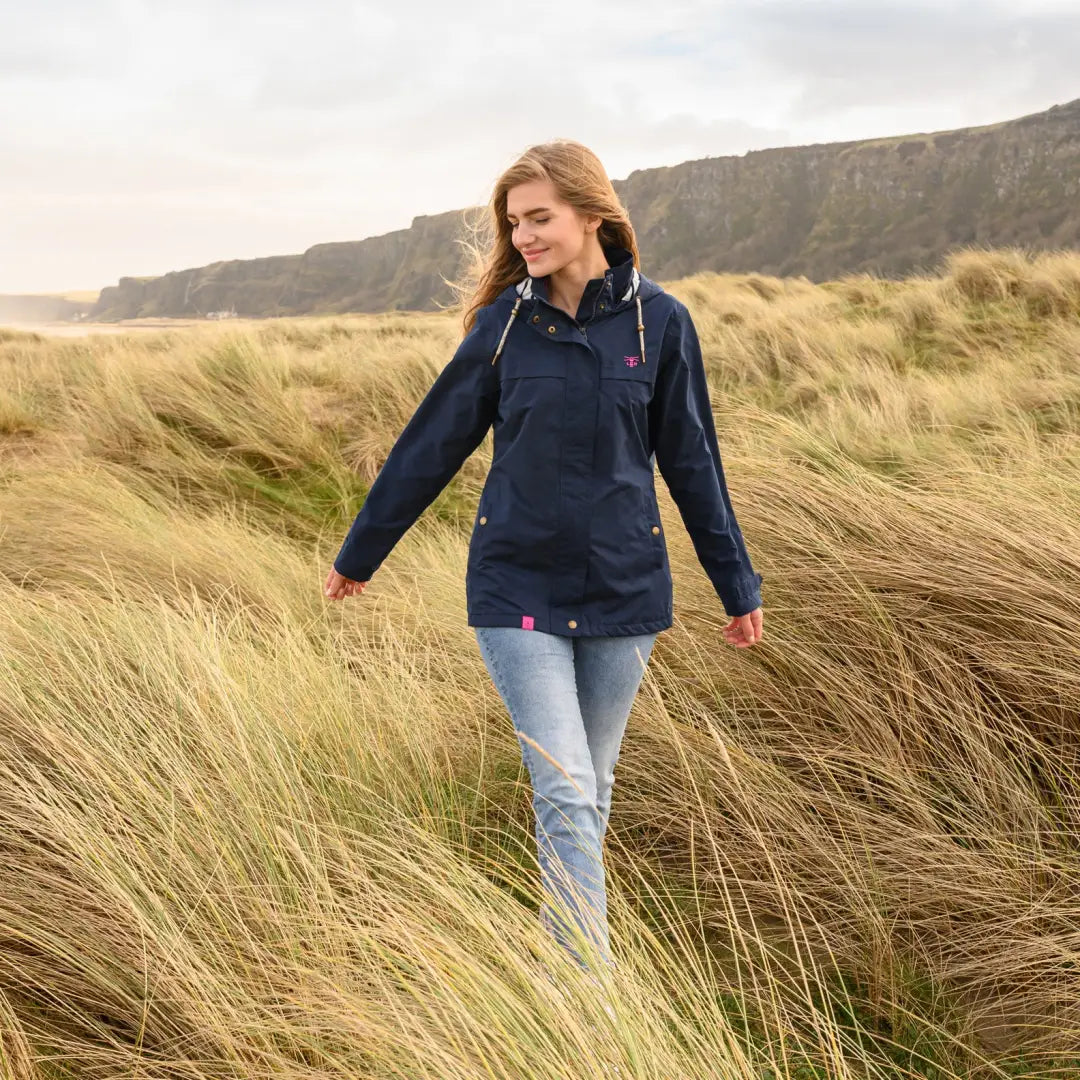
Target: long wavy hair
492	261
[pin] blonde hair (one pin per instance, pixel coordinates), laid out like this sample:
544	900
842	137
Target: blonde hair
579	179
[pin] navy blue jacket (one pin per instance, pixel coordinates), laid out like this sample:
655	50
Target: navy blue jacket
567	537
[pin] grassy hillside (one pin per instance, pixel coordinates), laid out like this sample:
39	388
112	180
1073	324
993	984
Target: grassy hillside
247	832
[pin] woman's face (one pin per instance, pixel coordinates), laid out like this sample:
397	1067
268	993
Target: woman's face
548	232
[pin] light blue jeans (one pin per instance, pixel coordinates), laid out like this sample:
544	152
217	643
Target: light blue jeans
571	696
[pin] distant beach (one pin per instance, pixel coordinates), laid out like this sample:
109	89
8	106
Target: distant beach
126	326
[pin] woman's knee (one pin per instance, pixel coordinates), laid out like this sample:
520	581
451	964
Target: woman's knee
560	774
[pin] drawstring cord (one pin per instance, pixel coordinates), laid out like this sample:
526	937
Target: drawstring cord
640	327
509	323
524	291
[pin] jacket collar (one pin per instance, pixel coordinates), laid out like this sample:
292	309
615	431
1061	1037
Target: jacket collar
615	287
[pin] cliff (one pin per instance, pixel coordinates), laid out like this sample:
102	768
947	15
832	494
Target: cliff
889	206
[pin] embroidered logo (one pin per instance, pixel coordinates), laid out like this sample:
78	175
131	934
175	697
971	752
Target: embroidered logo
526	622
631	361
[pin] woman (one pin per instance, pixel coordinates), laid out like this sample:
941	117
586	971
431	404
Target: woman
589	374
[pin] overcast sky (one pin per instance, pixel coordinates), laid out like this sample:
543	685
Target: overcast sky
138	137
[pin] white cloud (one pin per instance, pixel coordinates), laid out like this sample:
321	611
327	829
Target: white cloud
143	137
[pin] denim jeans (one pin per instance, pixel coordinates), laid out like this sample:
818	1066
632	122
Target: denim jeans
571	697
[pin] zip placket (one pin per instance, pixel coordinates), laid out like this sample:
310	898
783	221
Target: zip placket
581	326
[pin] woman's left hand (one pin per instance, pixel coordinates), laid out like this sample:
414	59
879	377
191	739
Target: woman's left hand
744	630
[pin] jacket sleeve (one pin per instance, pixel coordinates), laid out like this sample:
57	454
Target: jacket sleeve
448	425
684	438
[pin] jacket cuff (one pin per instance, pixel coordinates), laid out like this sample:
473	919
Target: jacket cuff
742	596
354	571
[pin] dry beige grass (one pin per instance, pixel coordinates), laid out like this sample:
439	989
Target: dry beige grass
247	833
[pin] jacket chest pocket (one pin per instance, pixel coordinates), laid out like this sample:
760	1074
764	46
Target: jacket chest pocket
622	365
627	379
530	378
528	359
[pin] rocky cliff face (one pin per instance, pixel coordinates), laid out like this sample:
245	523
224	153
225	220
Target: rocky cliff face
888	206
884	205
399	269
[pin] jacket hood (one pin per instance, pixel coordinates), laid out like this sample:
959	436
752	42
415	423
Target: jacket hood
620	285
620	282
620	276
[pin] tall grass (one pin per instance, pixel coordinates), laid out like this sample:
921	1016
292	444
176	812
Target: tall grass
245	832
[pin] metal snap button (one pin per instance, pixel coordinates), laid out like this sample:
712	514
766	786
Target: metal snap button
601	307
551	329
483	521
655	529
536	318
572	624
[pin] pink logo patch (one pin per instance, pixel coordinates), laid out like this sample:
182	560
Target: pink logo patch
631	361
526	622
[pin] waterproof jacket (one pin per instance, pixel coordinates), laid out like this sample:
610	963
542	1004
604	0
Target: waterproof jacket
567	537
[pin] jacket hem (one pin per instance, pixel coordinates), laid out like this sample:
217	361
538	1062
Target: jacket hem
583	629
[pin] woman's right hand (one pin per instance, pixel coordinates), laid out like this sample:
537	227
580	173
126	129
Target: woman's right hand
337	586
744	631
